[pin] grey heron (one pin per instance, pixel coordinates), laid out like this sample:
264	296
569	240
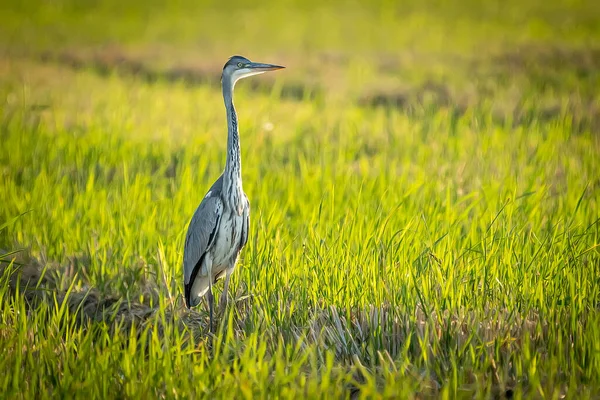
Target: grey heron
219	228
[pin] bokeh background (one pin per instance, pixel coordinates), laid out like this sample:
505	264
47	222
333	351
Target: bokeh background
455	54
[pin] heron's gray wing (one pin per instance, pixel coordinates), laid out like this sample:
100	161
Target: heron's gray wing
245	224
200	237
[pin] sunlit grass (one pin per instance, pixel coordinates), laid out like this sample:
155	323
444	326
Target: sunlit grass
425	249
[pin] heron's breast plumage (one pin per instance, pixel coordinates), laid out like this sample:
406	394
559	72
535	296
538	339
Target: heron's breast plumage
227	244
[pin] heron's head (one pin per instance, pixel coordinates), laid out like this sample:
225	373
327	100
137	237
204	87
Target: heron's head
238	67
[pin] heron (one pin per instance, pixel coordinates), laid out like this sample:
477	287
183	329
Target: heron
218	230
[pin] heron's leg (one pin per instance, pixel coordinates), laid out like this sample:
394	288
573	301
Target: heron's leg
209	294
210	298
223	301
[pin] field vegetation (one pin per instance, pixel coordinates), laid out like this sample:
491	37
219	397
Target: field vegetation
424	180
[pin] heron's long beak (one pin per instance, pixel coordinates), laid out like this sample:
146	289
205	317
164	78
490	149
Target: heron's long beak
259	67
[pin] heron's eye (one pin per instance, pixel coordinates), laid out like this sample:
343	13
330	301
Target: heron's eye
240	65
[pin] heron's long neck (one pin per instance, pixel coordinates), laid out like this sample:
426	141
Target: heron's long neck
233	166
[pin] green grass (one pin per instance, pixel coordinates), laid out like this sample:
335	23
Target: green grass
424	188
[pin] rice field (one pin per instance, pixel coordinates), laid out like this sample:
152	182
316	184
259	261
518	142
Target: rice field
424	182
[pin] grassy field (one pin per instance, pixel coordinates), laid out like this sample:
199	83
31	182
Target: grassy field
424	181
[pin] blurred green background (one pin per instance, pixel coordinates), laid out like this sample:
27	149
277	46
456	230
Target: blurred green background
374	51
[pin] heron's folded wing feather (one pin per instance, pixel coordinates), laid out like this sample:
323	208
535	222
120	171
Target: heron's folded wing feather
246	224
201	233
